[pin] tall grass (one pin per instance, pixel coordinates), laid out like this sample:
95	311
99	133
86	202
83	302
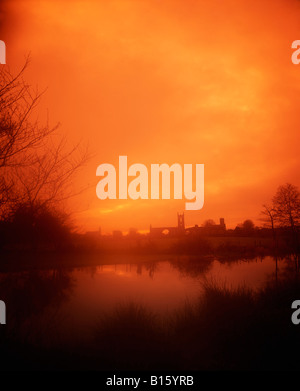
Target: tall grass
224	330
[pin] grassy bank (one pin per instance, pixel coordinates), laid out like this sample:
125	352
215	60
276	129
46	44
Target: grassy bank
224	330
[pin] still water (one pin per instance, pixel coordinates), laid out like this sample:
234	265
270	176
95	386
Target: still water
77	297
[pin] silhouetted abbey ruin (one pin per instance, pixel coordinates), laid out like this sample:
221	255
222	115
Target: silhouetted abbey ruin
180	230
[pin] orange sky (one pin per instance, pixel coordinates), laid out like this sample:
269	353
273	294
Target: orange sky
168	81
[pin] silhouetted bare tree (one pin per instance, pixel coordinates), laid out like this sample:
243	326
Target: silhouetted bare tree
286	204
46	181
284	212
268	217
36	165
19	134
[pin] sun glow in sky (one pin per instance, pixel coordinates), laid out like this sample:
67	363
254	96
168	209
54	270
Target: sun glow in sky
164	82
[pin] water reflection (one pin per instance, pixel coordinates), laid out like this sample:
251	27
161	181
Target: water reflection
111	314
28	294
77	296
192	266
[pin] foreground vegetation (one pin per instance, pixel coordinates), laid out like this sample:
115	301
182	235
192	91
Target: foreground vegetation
224	330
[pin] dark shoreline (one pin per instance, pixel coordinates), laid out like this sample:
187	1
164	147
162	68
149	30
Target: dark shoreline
15	261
